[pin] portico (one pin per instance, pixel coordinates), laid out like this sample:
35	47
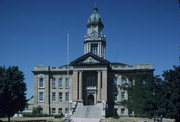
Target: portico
91	79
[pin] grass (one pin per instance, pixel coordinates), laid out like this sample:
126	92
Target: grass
33	118
133	119
124	119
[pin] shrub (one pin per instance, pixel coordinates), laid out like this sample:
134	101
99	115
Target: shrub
59	116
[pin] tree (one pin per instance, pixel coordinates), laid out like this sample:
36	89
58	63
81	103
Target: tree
157	96
166	95
172	93
138	92
12	91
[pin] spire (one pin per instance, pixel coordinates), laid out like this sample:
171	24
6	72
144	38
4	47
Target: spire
95	9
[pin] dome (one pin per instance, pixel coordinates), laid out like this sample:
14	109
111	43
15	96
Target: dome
95	18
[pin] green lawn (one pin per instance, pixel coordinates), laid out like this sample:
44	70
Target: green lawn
133	119
121	119
33	118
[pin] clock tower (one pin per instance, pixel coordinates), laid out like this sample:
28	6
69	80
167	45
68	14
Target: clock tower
95	40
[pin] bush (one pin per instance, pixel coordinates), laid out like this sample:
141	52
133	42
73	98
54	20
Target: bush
115	114
36	115
59	116
37	112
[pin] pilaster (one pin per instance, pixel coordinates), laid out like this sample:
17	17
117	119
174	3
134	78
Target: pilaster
74	85
80	85
99	86
104	85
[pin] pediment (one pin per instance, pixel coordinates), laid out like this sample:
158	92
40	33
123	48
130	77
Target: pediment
89	59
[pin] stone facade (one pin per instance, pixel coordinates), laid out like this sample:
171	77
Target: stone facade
90	79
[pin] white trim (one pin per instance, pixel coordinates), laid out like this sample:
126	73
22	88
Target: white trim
52	97
52	111
61	96
122	111
61	83
43	77
39	97
53	80
67	84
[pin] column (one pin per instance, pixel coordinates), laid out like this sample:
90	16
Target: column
119	90
74	86
98	50
80	85
104	52
99	86
89	48
84	48
104	85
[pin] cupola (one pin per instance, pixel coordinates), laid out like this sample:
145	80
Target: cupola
95	18
95	40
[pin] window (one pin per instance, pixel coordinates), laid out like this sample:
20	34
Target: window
60	82
41	110
130	83
53	110
53	83
94	49
67	96
122	110
115	82
60	96
53	96
122	95
41	83
67	83
115	97
41	96
144	82
59	110
123	81
66	110
91	81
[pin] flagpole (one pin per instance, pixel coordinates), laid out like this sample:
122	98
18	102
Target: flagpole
69	107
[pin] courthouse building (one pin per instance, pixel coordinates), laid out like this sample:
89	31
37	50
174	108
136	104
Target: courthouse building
91	79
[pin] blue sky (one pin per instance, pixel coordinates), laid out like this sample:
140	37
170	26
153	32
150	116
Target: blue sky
33	32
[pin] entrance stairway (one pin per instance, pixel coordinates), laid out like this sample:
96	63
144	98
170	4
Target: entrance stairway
89	113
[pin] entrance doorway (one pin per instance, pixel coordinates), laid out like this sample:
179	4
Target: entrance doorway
90	99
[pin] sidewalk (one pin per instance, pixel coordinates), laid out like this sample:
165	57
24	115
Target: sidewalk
85	120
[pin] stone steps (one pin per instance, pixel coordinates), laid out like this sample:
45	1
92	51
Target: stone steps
88	112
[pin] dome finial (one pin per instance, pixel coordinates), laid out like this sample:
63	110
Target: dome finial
95	9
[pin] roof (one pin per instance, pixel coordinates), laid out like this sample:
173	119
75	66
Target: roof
89	59
95	18
120	64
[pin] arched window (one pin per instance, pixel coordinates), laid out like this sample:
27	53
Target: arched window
94	49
